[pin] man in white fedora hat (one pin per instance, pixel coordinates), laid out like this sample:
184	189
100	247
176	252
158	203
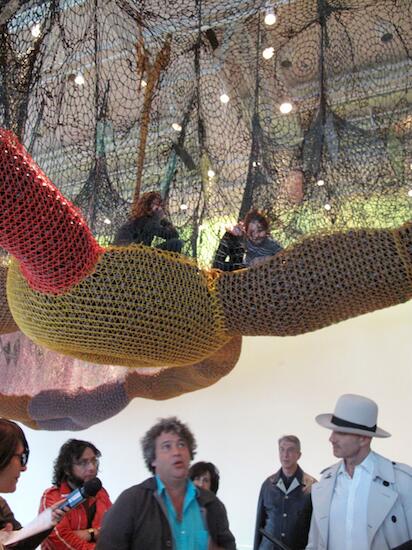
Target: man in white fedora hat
364	502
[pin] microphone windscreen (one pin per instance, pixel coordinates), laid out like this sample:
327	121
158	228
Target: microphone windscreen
92	487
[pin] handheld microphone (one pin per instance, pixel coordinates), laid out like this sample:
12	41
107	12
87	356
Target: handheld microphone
76	497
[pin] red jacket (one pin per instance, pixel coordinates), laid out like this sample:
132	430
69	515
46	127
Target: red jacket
62	536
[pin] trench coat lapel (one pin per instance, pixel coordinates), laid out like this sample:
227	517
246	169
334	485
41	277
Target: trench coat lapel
382	497
322	497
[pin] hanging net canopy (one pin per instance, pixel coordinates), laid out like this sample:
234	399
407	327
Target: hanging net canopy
307	119
115	98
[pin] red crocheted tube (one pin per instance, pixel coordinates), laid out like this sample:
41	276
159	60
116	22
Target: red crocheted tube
38	226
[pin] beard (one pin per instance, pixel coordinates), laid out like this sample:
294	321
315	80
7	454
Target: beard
74	481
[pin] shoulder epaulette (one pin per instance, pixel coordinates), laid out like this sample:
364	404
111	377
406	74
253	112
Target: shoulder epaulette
403	468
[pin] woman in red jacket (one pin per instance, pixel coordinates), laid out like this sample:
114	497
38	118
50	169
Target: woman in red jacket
78	462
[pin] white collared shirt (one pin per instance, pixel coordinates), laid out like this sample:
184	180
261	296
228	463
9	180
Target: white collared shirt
348	518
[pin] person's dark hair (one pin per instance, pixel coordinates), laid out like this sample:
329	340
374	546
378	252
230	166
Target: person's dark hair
10	436
166	425
200	468
256	216
69	452
144	204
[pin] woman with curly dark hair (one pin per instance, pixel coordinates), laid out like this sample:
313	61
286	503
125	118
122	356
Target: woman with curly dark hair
147	222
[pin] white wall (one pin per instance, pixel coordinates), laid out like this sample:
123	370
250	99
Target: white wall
278	387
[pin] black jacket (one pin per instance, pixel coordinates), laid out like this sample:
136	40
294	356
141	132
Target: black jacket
229	254
144	230
137	521
7	516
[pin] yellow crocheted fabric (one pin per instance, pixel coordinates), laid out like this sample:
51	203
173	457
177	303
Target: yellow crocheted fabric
140	307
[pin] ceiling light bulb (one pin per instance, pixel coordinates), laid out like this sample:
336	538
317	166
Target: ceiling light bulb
143	84
327	206
79	79
224	98
211	173
107	221
268	52
183	207
36	30
320	183
270	17
410	193
176	127
285	107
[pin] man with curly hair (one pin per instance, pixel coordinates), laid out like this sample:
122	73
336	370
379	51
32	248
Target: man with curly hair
77	462
167	510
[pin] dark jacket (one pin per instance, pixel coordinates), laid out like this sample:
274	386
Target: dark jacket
230	253
7	516
285	514
236	252
137	521
144	230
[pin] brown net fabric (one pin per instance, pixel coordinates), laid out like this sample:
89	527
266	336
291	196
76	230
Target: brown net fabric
319	282
46	390
117	97
174	381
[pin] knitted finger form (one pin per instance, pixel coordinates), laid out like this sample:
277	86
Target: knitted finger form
49	391
38	226
140	307
320	281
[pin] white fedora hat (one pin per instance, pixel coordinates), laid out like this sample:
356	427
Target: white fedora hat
353	414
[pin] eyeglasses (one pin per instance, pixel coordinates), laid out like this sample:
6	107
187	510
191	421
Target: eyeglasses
203	479
24	458
84	462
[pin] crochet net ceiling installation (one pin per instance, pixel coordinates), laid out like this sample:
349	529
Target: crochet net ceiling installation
213	107
55	392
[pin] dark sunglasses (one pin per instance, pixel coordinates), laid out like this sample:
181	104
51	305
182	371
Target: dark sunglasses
24	457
